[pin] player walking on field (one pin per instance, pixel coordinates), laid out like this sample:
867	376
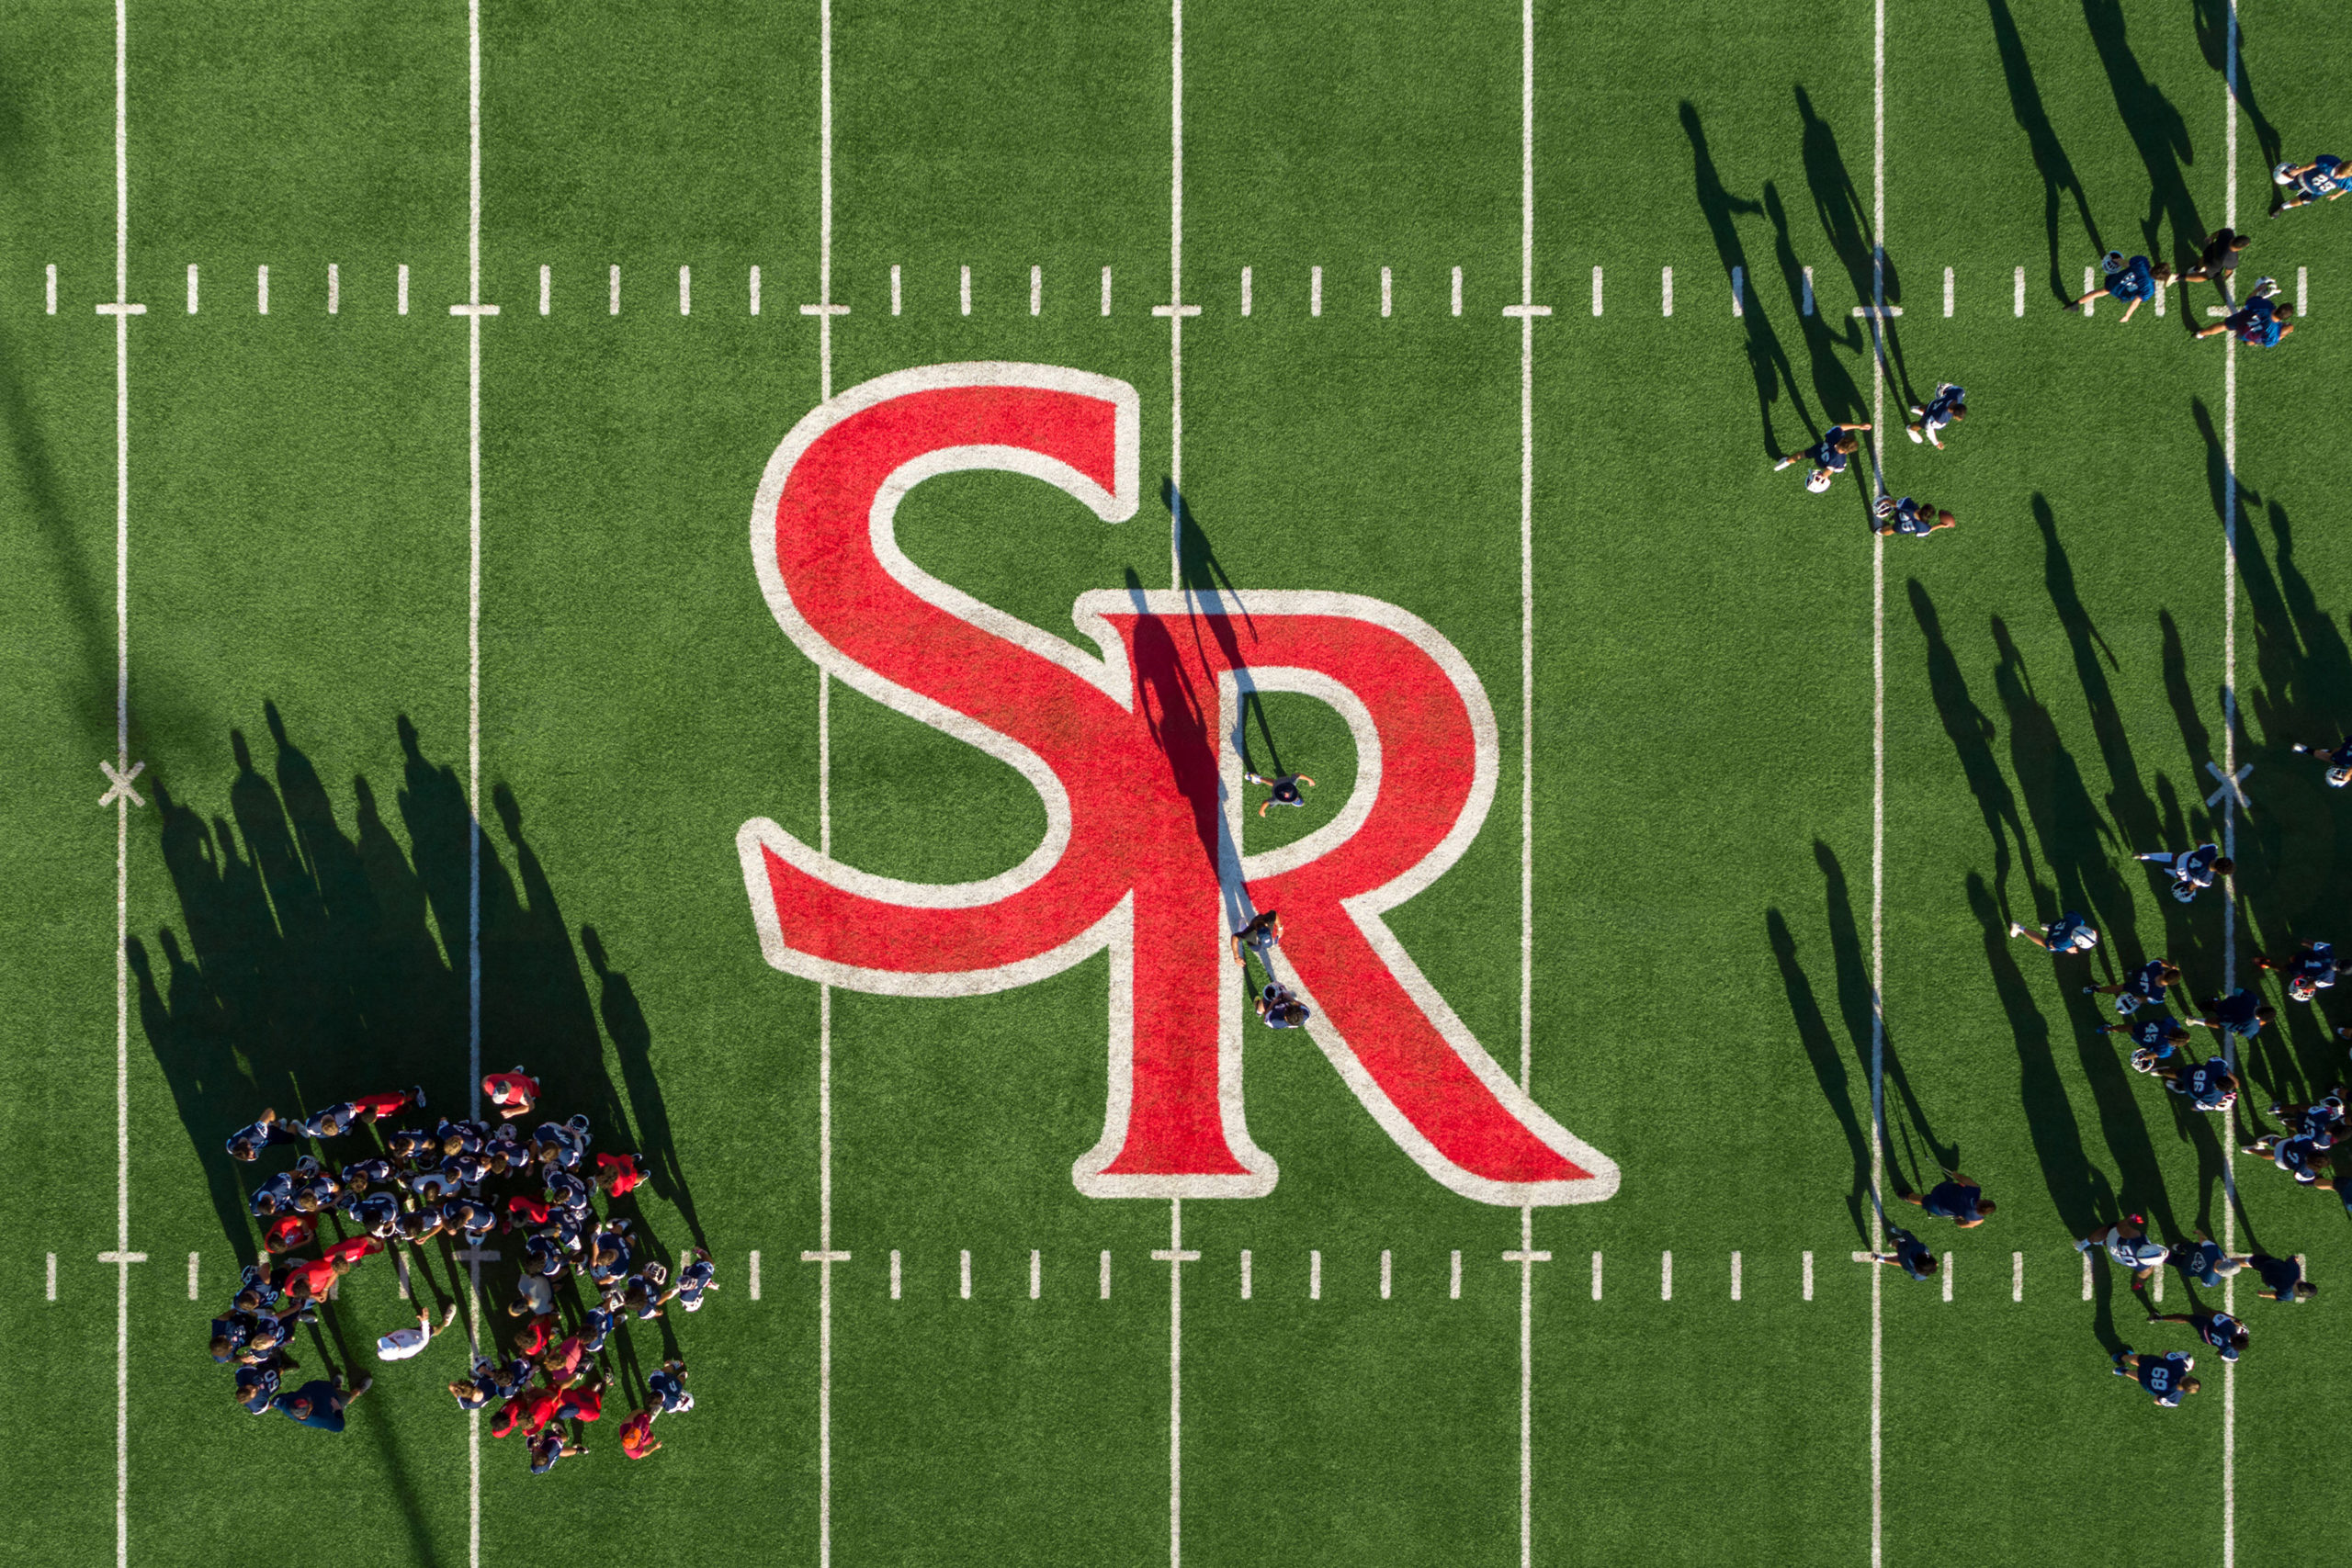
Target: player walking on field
2068	933
2166	1377
1285	788
2338	761
2127	1242
2260	323
2142	987
1946	408
1957	1198
1915	519
1828	455
1911	1254
2326	175
2216	262
2192	870
2129	283
2312	970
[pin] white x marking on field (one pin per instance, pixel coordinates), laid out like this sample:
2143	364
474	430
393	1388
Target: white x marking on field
120	787
2232	784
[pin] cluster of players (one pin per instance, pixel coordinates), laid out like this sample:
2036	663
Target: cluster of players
2259	321
463	1180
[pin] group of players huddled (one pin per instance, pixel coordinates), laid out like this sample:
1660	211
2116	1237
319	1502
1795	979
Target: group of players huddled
462	1180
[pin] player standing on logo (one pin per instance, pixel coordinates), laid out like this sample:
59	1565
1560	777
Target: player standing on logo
1916	518
2144	986
2166	1377
1279	1007
1285	788
2325	175
1261	936
1957	1198
2192	870
2313	969
2339	761
1828	455
2129	283
1946	408
2068	933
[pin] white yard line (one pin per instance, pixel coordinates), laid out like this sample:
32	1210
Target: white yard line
121	1257
2229	771
1878	782
1527	312
474	311
1175	1256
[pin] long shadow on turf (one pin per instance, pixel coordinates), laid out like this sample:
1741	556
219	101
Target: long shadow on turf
1839	206
2214	31
1971	736
1767	359
2157	130
318	963
1828	1062
2050	157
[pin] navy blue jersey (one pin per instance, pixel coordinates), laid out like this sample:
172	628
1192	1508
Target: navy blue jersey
595	1326
541	1255
1949	399
2321	1122
1915	1257
2200	1261
2205	1085
2327	174
2294	1156
2236	1014
2193	873
2257	325
2156	1034
2162	1375
2312	971
1824	453
256	1389
1911	518
1950	1200
2136	281
2145	983
670	1391
2281	1274
2070	933
2218	1329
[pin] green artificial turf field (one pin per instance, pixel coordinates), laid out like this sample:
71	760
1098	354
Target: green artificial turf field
1732	687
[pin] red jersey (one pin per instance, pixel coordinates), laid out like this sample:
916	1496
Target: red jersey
374	1105
567	1361
510	1088
353	1250
293	1231
534	1338
637	1435
314	1276
619	1173
539	1407
503	1420
527	1207
585	1404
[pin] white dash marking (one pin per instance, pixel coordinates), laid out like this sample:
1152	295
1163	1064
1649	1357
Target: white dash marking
1596	1276
261	291
403	288
1314	1276
1315	291
2157	1287
547	285
52	1277
1666	290
894	288
1036	1274
2160	296
2089	283
1947	1276
334	289
399	1267
1036	290
755	291
2087	1276
1453	1284
191	291
894	1276
1106	1276
1384	1274
755	1274
193	1266
613	307
2017	1276
1739	291
1245	1273
2303	290
685	292
1946	291
1596	291
53	288
2018	306
1735	1275
1386	294
1808	291
1808	1276
1245	290
1457	291
1106	290
964	1277
1665	1276
964	289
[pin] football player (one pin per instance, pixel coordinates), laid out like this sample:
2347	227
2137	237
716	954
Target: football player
2166	1377
1828	457
1946	408
1285	789
2283	1279
696	1278
247	1142
668	1386
2192	870
2339	761
2147	984
1957	1198
2217	261
2241	1013
2258	323
2218	1329
2209	1085
2306	1159
320	1403
2155	1041
1915	519
1261	936
2068	933
514	1093
550	1446
2129	283
2325	175
2203	1262
2312	970
2127	1242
